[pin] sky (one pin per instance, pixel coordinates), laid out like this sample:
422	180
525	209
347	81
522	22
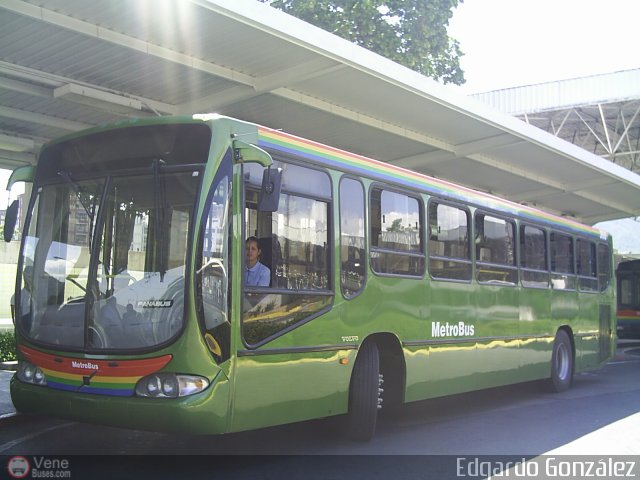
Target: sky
509	43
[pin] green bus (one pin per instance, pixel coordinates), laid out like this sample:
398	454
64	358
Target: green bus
384	286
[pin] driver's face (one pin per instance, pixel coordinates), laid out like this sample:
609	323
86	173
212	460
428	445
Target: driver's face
252	253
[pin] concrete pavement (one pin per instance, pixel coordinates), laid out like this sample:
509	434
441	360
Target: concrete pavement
6	407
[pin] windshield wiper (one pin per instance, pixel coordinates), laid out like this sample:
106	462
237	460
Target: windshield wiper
159	223
77	189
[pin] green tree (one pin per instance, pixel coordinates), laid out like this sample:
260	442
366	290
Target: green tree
410	32
396	226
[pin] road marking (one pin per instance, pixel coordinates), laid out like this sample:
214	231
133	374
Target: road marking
17	441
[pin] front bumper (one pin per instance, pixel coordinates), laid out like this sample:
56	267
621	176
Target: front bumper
204	413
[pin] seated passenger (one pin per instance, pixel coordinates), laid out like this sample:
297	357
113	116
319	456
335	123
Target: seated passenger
257	274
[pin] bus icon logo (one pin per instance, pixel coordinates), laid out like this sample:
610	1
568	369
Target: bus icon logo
18	467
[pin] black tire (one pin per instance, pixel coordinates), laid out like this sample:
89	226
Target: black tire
364	394
561	363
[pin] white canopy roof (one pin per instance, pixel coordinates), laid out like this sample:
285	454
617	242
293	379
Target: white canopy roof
70	64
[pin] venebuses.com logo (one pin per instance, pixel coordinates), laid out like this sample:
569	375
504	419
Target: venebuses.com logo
18	467
38	467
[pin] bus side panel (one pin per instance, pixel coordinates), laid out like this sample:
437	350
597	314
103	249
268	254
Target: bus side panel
564	309
277	389
448	364
497	328
537	331
586	331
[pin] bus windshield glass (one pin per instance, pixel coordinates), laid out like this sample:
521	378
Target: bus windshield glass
104	260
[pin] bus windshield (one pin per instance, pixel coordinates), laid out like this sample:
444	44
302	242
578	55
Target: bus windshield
104	260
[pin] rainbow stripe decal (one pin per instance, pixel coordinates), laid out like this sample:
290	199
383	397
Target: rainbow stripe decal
628	315
102	377
357	164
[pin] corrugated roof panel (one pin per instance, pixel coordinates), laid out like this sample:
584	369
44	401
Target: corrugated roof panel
197	32
24	128
95	61
607	88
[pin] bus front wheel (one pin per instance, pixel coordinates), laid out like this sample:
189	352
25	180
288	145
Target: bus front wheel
364	394
561	362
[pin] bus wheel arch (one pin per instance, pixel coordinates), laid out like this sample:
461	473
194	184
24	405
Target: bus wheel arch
562	360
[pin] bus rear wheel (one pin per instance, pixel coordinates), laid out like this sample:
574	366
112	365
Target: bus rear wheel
364	394
561	362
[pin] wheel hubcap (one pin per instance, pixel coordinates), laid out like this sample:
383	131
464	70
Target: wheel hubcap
562	362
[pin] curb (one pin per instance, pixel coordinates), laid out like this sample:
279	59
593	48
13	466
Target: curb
11	419
10	365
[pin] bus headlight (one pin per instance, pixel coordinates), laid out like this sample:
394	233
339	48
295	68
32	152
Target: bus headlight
170	385
30	373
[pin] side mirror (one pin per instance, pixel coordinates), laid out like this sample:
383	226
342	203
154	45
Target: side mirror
10	220
25	173
269	198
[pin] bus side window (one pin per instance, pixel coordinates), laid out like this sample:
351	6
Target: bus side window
604	267
396	233
562	262
533	257
449	250
352	237
495	250
586	265
215	262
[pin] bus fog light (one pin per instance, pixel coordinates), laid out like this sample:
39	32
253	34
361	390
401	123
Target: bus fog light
30	373
170	385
